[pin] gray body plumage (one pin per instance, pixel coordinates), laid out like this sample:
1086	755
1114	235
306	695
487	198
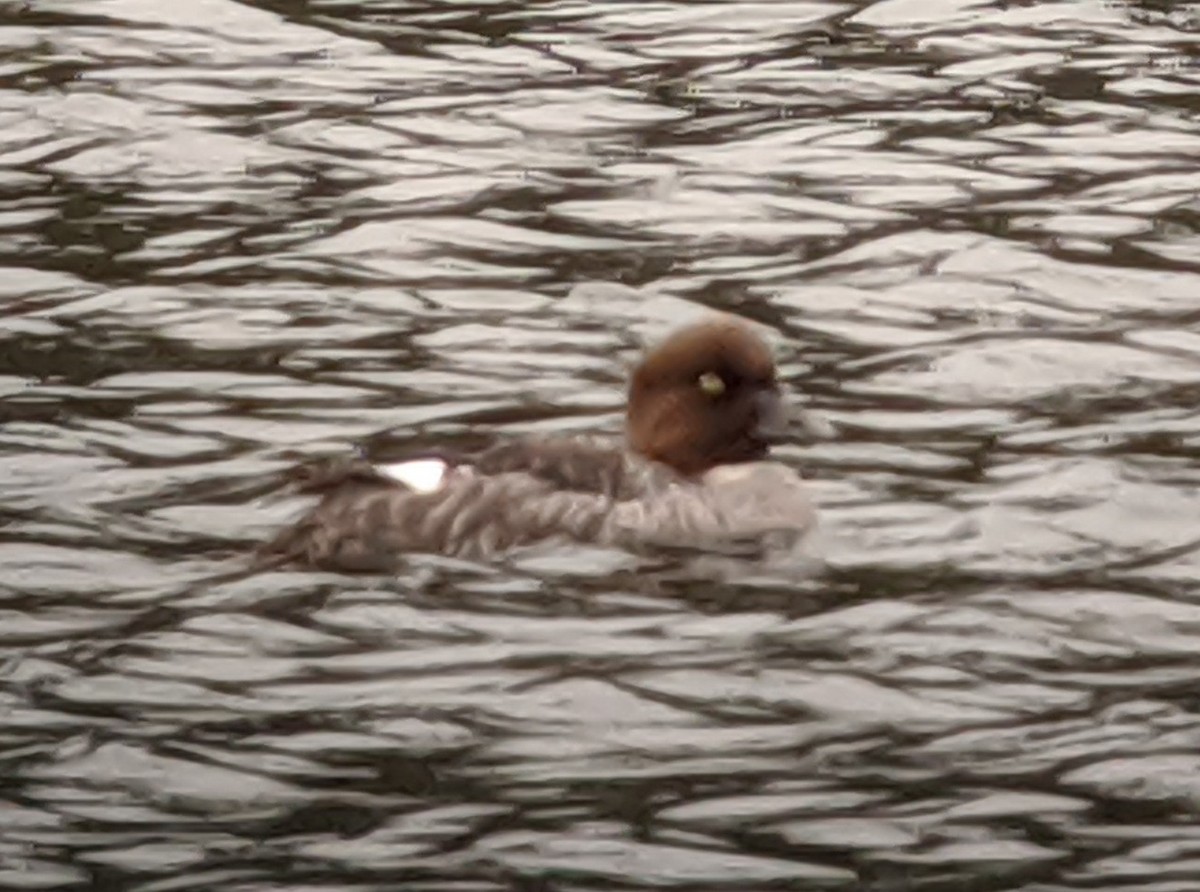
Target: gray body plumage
529	492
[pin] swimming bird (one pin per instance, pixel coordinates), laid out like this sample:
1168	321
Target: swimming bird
693	471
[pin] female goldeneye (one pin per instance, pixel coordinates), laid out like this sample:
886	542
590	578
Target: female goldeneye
703	408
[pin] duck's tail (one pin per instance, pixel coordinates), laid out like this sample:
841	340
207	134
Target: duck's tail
307	542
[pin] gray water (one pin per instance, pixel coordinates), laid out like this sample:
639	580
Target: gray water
237	234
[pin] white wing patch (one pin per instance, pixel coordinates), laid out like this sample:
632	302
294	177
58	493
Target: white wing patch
420	475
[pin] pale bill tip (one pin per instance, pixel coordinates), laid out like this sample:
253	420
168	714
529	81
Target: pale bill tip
419	475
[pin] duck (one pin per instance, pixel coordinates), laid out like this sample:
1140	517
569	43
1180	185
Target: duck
694	470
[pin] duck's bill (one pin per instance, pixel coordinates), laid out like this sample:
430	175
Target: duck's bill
778	420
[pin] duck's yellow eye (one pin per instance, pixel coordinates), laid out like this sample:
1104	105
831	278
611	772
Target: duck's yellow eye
711	384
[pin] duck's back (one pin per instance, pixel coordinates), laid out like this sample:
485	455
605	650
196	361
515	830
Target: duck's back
530	492
516	494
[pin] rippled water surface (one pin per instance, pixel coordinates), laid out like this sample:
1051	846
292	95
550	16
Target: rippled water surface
234	234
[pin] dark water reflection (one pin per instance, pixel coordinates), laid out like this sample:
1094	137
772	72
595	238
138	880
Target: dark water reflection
234	233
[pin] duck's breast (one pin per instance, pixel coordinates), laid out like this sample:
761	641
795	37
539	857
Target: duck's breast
730	504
